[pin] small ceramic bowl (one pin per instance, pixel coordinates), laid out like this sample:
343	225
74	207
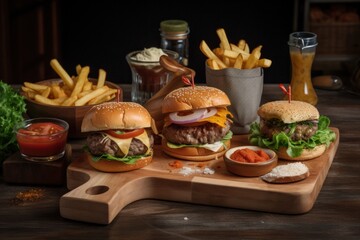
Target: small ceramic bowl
73	115
248	169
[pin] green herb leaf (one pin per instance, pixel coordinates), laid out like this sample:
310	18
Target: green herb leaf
12	109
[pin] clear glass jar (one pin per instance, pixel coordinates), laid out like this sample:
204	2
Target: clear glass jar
302	46
175	36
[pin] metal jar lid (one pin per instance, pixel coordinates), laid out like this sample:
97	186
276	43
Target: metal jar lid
302	40
174	25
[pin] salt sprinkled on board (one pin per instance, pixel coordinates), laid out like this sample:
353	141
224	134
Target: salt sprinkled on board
186	171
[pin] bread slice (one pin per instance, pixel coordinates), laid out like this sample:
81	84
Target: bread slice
291	172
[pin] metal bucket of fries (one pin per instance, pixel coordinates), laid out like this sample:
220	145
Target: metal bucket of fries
238	71
244	88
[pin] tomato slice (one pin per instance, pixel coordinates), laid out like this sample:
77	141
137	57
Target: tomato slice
123	134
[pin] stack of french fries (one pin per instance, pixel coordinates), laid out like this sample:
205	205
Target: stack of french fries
71	91
233	55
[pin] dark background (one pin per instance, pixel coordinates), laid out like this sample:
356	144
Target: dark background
101	33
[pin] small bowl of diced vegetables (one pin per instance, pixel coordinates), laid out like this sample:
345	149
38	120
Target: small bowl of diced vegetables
250	161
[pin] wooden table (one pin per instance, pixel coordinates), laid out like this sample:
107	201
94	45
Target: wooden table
335	214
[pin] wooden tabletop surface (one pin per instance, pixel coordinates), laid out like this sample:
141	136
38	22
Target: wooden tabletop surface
335	214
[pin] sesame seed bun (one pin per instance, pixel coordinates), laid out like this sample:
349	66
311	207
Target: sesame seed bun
188	98
306	154
288	112
116	115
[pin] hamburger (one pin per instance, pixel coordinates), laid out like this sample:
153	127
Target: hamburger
295	130
120	136
196	124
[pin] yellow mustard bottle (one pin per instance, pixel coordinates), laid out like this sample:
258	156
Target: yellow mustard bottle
302	46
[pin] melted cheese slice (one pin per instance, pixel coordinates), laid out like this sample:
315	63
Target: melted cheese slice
124	144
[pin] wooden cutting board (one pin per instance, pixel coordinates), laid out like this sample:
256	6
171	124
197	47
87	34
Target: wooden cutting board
98	197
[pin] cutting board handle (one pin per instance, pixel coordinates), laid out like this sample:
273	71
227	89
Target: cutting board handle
101	198
98	197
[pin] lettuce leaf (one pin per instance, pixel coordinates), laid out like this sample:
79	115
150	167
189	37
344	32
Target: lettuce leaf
125	159
12	109
324	135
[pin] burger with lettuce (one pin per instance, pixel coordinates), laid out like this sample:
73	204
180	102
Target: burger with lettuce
196	123
120	136
295	130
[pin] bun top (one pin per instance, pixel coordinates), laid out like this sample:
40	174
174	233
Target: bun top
116	115
188	98
295	111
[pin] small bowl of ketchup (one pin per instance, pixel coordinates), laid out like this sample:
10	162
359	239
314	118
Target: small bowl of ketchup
250	161
42	139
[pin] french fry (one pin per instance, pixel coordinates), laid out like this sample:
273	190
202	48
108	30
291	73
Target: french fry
233	55
46	92
213	64
69	101
87	86
83	93
244	54
60	93
226	61
103	99
223	39
57	91
101	78
54	63
31	94
45	100
84	72
207	52
218	52
241	44
247	48
253	58
35	86
83	100
60	100
264	62
238	62
103	96
26	89
230	54
78	68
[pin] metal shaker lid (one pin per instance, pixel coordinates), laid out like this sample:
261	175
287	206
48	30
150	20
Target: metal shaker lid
302	40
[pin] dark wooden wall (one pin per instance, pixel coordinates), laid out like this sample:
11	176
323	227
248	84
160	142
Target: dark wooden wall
101	33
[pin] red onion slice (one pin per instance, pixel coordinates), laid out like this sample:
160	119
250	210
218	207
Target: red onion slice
210	112
193	117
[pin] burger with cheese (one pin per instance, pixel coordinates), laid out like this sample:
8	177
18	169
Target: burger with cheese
196	124
295	130
120	136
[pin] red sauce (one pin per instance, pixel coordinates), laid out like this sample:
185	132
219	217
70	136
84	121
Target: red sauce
249	156
42	139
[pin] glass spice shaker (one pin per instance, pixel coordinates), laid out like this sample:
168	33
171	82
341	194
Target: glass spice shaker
175	36
302	46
